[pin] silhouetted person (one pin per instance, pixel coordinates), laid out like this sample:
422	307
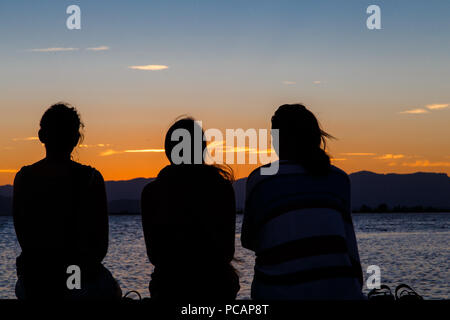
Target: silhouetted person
188	216
298	221
60	218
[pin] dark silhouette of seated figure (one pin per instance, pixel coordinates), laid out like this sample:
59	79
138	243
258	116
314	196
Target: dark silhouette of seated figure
298	221
188	217
60	217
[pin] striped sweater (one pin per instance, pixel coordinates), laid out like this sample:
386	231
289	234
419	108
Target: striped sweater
301	230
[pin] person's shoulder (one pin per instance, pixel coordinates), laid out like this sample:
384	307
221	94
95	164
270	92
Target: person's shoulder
23	171
150	186
87	170
256	176
28	169
20	175
168	172
339	172
34	166
150	192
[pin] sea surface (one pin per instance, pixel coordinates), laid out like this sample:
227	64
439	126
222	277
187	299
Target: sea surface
411	248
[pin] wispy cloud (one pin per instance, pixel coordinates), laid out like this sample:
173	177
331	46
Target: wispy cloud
249	150
390	156
111	152
358	154
338	159
437	106
150	67
144	150
392	164
26	139
216	146
425	110
98	145
221	147
53	49
414	111
100	48
289	83
8	170
426	163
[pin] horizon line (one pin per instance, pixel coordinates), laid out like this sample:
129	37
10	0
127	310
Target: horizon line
368	171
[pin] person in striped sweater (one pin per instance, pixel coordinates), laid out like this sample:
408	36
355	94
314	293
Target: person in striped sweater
298	221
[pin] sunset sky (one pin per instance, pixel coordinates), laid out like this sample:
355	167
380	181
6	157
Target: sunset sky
135	66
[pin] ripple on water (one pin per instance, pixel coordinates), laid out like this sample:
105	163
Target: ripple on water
408	248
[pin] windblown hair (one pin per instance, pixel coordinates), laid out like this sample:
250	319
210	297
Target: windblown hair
301	139
189	124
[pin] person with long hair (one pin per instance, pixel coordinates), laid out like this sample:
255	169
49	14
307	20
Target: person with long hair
188	217
60	218
298	221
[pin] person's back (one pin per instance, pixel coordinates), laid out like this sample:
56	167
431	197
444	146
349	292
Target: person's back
60	218
188	215
298	221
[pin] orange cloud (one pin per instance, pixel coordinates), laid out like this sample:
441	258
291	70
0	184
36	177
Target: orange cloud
390	156
414	111
144	150
358	154
392	164
111	152
149	67
426	163
8	170
98	145
220	145
26	139
437	106
249	150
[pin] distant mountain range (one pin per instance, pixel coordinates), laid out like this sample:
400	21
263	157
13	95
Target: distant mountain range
368	189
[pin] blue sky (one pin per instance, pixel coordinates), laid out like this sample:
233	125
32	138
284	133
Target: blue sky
231	63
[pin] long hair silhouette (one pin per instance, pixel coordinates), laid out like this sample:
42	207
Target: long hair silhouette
189	220
198	146
298	221
300	138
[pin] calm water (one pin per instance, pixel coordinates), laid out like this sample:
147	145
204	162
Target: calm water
409	248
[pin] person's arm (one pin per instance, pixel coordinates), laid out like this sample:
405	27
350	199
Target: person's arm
228	212
353	251
146	200
100	228
18	209
247	234
352	244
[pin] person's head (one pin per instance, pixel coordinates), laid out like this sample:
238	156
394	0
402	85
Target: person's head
185	136
300	138
60	129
